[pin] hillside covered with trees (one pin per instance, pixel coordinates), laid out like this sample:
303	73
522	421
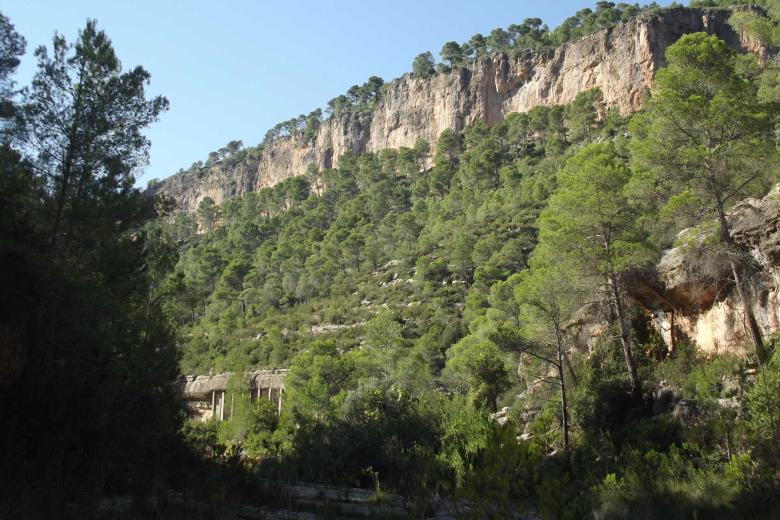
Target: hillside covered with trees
432	318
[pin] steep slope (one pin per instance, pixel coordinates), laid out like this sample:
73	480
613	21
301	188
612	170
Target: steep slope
621	61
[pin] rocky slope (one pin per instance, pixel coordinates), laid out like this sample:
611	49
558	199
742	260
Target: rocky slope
621	61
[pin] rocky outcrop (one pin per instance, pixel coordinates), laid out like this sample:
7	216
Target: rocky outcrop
692	295
621	61
200	388
211	397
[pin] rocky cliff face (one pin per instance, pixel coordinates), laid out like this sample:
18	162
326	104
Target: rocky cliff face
621	61
692	297
688	294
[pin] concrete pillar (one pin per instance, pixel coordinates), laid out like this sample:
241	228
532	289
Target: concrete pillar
279	410
213	403
222	406
269	393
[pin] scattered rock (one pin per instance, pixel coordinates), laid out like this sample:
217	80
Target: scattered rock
501	416
333	327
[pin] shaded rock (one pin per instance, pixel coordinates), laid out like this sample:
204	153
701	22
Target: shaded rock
686	410
688	294
501	416
199	388
665	399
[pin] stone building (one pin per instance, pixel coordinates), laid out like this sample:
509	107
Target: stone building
208	397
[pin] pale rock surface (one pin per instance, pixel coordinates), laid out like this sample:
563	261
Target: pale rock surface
706	308
621	61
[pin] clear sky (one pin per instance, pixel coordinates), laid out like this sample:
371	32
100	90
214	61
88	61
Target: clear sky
233	69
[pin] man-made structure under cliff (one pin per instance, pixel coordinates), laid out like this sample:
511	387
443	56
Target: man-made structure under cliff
621	61
209	397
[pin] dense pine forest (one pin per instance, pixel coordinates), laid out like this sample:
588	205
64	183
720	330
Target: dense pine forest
428	302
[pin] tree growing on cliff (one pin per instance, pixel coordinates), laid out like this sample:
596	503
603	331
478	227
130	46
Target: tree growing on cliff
582	115
424	65
498	40
547	296
705	142
452	53
478	45
208	213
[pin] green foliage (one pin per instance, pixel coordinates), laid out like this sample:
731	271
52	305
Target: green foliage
452	53
694	138
89	406
423	65
251	425
591	225
484	465
764	406
672	485
707	134
532	35
359	98
403	297
589	218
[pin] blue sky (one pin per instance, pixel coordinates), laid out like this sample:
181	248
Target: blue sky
233	69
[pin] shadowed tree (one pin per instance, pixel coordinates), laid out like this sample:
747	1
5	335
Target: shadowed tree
86	118
93	403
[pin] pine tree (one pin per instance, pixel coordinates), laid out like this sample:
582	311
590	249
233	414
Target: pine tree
705	142
590	225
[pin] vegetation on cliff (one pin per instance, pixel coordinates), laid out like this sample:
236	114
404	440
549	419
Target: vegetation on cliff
411	304
518	40
532	35
430	316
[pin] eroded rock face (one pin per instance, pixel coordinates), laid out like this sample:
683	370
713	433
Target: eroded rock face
706	308
621	61
199	388
688	294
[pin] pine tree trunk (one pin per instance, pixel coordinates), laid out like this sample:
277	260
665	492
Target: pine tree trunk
564	411
625	337
562	384
755	330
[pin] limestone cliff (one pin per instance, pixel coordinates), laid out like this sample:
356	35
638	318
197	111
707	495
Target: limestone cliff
688	294
693	297
621	61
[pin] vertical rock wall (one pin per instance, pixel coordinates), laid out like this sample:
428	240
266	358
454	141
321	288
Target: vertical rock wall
621	61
